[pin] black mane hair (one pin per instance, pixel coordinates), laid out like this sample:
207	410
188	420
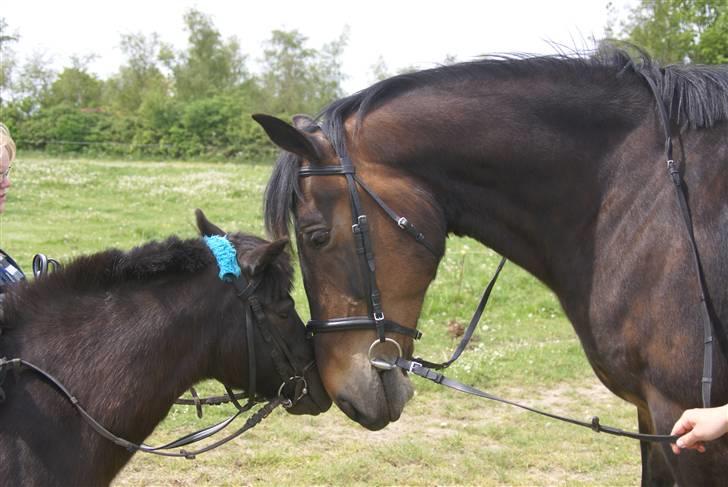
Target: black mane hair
695	95
109	269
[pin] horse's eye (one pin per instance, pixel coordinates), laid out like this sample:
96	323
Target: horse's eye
319	238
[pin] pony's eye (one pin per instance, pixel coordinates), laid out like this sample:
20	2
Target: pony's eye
319	238
285	308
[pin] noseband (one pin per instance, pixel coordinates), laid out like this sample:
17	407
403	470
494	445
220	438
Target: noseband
362	239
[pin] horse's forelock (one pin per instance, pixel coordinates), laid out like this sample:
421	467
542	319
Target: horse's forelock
280	195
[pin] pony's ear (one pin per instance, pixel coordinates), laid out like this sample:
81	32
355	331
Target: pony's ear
205	226
258	259
289	138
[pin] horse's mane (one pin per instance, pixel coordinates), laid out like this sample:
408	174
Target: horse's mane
109	269
696	96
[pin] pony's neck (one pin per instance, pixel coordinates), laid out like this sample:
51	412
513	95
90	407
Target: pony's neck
140	350
520	165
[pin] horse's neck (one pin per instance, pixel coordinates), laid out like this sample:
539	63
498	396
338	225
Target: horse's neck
521	167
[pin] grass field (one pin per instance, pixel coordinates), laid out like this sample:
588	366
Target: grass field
525	349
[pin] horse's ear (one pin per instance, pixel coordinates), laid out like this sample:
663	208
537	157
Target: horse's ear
303	121
258	259
205	226
289	138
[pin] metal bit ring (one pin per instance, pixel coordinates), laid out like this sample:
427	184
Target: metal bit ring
381	363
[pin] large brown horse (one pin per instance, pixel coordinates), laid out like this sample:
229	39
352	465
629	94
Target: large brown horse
555	162
126	333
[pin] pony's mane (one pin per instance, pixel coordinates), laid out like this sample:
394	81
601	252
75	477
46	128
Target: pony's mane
111	268
695	95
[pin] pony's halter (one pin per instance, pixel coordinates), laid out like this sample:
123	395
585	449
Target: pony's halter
294	385
364	247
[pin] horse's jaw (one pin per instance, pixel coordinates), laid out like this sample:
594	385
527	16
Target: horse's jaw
372	397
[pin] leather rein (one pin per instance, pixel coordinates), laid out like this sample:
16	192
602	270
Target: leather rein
291	390
426	369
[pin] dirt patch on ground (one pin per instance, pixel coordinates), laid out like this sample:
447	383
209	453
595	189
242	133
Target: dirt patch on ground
445	431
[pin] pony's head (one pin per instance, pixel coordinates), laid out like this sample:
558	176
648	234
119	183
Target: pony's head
266	266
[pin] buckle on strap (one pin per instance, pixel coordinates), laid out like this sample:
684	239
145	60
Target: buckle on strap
363	222
413	365
426	373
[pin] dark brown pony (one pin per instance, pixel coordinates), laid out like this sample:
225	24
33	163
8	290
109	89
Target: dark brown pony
127	333
555	162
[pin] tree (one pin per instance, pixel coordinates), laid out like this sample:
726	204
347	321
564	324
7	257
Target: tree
75	86
675	31
209	65
33	84
7	57
140	75
379	70
300	79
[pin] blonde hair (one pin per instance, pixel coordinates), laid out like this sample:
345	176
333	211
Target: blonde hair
7	142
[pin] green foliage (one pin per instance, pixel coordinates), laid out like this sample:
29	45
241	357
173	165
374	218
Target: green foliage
209	65
7	55
675	31
33	84
300	79
75	87
161	103
140	77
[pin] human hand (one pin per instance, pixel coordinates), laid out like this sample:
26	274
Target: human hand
697	426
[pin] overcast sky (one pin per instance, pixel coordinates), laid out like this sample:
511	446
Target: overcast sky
404	33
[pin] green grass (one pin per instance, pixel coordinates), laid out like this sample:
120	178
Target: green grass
524	349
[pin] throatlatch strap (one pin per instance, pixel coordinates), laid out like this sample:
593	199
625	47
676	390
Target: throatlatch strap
401	221
471	327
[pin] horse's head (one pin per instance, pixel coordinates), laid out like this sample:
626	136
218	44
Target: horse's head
281	351
386	275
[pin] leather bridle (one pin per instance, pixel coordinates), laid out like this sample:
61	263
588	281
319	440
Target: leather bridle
363	242
283	360
292	389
